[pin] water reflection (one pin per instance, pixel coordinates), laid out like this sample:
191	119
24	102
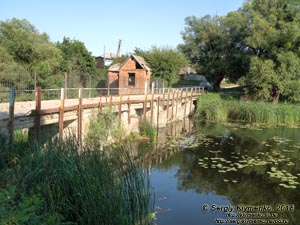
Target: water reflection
231	165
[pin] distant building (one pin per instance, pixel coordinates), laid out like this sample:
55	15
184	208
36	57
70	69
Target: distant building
186	71
189	73
133	75
104	62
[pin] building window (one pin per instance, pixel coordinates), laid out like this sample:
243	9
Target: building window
131	79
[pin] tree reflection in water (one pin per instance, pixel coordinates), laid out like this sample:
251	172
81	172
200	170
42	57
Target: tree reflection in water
249	156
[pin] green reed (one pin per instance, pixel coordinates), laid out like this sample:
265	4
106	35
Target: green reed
217	108
84	185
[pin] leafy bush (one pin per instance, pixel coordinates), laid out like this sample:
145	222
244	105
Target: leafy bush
103	128
147	129
24	210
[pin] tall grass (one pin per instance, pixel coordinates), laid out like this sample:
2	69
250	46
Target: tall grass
218	108
83	186
147	129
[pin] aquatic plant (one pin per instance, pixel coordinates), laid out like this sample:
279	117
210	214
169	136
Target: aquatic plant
217	108
88	186
276	164
147	129
80	184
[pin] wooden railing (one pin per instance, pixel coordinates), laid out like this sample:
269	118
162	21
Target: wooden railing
165	97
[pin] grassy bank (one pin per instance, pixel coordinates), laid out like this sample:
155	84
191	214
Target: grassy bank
58	183
223	108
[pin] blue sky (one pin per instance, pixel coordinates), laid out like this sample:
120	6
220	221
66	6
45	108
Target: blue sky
99	23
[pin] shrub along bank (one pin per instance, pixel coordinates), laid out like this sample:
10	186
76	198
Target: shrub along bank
226	108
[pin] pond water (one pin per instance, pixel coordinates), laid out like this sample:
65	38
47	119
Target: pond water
226	174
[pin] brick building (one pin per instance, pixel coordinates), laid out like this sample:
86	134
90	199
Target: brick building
131	77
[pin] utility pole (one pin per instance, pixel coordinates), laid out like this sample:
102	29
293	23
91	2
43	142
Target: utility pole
11	115
35	80
65	85
90	84
104	57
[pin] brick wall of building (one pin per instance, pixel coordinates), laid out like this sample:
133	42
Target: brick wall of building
122	77
113	79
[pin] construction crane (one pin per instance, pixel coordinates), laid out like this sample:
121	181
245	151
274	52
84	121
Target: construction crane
119	49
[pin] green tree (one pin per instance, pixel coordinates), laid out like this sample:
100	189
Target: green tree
215	45
28	48
9	69
274	37
78	62
164	62
24	51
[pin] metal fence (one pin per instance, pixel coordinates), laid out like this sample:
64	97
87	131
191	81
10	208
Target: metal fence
25	85
73	93
25	89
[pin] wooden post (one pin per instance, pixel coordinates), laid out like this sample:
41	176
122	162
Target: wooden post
152	102
90	84
191	101
152	87
176	104
120	106
168	106
35	80
38	100
172	116
129	104
108	86
100	105
185	103
110	101
61	113
65	86
145	105
181	92
163	100
79	125
146	88
157	118
11	115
